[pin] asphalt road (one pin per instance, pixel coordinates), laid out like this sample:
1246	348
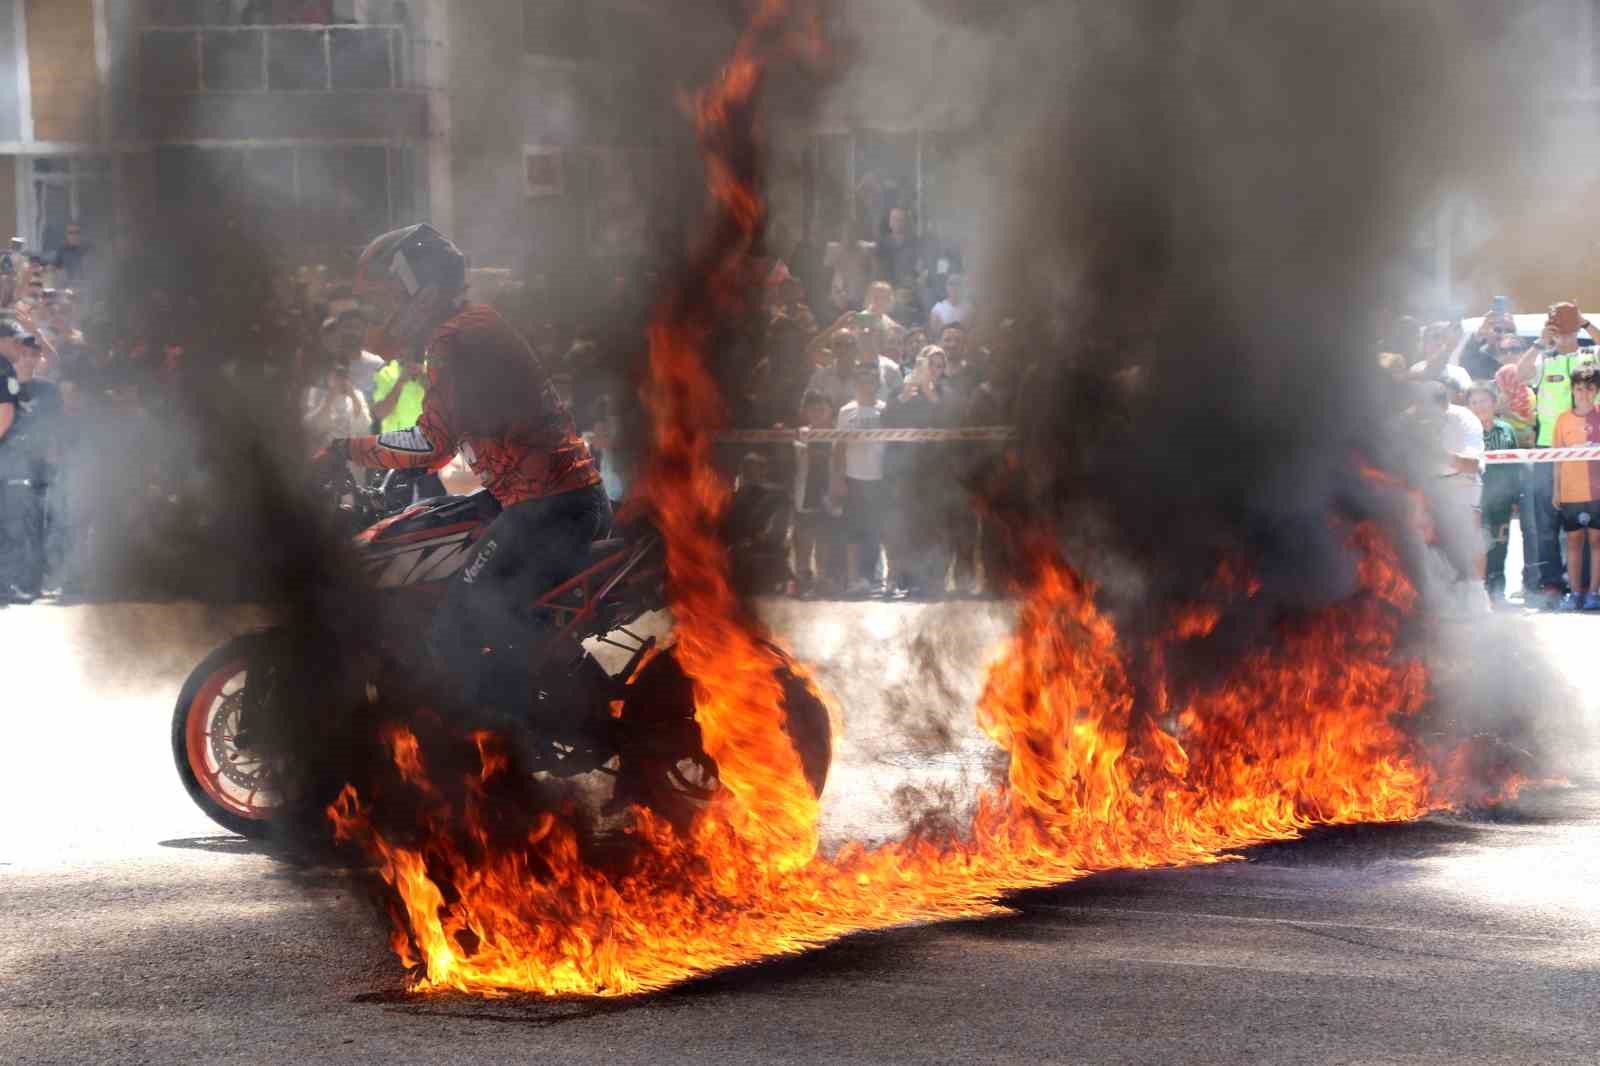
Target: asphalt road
132	930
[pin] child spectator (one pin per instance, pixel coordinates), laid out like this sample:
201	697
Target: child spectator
1577	490
1502	485
816	516
859	478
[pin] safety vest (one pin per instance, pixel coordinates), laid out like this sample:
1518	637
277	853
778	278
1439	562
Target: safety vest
1555	389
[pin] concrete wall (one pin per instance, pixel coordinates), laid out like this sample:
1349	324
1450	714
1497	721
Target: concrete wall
606	118
62	65
10	98
8	194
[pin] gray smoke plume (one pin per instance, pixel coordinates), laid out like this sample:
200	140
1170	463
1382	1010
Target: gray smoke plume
1195	215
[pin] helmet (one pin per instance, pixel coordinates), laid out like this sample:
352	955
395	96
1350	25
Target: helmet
408	280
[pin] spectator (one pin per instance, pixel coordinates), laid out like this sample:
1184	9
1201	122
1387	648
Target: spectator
899	252
833	357
1549	366
906	312
1502	487
918	546
1577	490
757	528
858	480
953	339
1516	402
877	313
954	309
29	411
339	411
397	394
341	345
1515	407
911	346
816	512
1455	493
1480	353
70	259
870	342
788	370
1439	340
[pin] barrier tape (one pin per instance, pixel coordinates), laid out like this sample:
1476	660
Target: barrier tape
875	436
1589	454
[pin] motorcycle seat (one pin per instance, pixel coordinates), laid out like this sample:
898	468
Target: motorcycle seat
607	547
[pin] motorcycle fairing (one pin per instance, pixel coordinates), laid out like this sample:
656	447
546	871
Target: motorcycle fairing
430	518
428	541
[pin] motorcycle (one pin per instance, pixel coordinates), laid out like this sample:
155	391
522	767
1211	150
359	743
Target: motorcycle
634	725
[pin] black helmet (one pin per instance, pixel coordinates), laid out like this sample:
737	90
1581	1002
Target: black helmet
409	279
418	257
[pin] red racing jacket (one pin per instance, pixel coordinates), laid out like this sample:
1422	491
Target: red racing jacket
543	458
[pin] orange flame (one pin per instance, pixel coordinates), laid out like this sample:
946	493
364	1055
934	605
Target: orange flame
1303	733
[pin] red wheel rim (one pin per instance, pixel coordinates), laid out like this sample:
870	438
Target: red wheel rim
207	716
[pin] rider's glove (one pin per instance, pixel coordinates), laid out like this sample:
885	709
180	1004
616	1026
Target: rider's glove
338	446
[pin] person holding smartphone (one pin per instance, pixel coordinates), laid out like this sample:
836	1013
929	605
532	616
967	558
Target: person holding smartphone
1548	366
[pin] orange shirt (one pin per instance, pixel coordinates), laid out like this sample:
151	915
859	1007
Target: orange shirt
1577	482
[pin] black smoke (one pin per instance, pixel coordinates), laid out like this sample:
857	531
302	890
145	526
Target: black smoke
1194	215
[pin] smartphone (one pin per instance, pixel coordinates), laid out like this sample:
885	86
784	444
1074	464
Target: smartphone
1500	305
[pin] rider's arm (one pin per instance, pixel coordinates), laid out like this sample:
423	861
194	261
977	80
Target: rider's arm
8	415
430	444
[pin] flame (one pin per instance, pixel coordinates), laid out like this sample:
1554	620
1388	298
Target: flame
1304	732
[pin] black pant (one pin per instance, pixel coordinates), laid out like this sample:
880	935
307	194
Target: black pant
21	535
486	628
1547	526
1528	519
1497	505
864	503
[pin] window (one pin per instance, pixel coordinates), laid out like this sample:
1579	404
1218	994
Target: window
275	59
67	189
340	194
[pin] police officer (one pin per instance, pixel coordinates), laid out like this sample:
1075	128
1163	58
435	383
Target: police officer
28	411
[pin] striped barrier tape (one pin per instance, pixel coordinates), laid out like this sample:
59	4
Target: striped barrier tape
875	436
1588	454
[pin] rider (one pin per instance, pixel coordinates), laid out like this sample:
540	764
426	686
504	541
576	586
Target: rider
490	398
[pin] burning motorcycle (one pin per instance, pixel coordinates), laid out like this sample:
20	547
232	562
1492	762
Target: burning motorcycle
634	725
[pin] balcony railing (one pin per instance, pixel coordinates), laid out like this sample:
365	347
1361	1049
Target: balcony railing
274	59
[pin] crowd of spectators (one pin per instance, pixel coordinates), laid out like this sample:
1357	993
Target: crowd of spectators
122	382
115	389
1493	390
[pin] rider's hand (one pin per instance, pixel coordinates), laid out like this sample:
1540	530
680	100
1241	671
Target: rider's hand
338	447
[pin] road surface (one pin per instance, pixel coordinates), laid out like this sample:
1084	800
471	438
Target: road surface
133	930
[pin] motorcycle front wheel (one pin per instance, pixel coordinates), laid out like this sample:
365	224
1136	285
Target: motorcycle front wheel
233	785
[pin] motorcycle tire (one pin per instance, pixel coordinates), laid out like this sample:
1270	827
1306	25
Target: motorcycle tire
200	748
659	702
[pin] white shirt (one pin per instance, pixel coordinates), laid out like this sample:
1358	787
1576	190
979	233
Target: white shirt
943	314
1461	434
863	461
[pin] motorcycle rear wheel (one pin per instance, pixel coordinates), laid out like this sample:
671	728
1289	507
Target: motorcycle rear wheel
233	786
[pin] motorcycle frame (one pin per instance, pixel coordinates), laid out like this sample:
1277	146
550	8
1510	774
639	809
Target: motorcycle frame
595	583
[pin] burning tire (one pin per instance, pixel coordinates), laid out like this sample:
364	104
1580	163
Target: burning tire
665	767
234	786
